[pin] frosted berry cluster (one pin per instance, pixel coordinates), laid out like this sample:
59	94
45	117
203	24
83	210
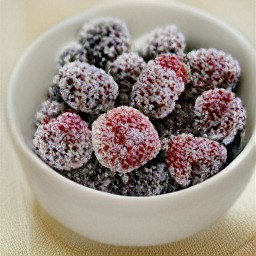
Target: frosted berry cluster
212	68
167	39
124	139
156	90
64	143
189	156
219	115
142	118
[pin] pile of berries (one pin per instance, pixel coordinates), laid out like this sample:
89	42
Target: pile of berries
141	123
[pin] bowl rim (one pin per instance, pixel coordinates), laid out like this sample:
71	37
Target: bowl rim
16	134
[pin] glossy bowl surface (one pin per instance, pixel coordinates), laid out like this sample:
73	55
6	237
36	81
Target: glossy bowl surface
119	220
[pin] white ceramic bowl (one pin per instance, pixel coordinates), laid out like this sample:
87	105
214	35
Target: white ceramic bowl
114	219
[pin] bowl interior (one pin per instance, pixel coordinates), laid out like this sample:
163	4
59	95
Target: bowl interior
35	71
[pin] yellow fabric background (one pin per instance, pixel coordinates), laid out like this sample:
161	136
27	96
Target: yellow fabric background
25	229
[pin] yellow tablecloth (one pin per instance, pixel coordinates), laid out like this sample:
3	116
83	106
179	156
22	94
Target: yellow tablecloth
24	228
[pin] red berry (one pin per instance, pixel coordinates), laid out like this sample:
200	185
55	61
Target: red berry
211	68
188	156
220	114
124	139
156	91
64	142
175	63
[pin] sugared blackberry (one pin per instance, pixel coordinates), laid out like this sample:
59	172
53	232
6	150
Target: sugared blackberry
74	51
86	88
125	70
166	39
104	39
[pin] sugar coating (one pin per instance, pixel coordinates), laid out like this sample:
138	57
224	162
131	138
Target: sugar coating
174	62
104	39
219	115
64	143
74	51
86	88
179	121
124	139
54	92
156	91
149	180
212	68
49	109
163	40
188	157
125	70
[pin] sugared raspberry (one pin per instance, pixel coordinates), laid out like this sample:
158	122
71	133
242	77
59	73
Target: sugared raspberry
48	110
156	91
220	114
163	40
175	63
212	68
124	139
86	88
70	53
189	156
64	143
125	70
104	39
